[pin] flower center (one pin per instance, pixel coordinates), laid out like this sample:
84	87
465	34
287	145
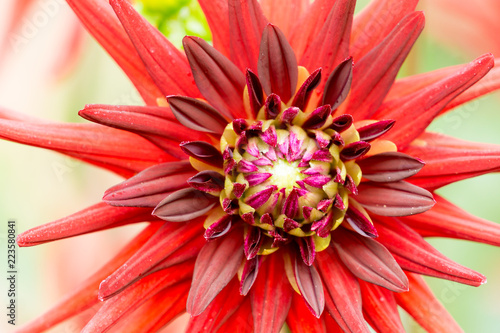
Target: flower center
285	174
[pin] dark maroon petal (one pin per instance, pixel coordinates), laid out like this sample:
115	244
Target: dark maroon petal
318	117
215	266
185	205
246	23
304	93
414	254
354	150
203	151
258	199
394	199
255	92
359	222
289	114
218	79
273	106
341	123
310	286
239	126
253	240
390	167
317	180
338	84
249	275
150	186
291	205
207	181
369	260
307	250
277	66
197	115
375	130
219	228
257	178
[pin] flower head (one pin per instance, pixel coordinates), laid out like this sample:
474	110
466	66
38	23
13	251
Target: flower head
282	171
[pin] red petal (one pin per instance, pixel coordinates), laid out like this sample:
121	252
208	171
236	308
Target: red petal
375	22
218	79
421	304
374	74
169	238
94	218
246	23
85	295
113	149
241	321
185	205
283	13
300	318
429	101
338	85
165	63
100	20
394	199
204	152
216	12
369	260
271	296
216	265
134	296
342	294
330	45
225	304
380	308
448	160
414	254
304	92
390	167
447	220
277	66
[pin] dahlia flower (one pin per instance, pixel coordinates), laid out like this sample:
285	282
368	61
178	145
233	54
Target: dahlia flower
286	175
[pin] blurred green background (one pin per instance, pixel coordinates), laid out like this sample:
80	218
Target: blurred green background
39	186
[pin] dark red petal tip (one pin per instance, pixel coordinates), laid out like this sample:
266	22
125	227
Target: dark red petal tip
273	106
184	205
360	223
304	93
207	181
390	167
249	275
338	84
375	130
255	92
354	150
203	151
310	286
318	117
341	123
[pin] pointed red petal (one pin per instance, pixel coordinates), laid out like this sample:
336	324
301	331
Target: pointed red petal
277	65
94	218
225	304
448	160
165	63
380	308
216	265
390	167
447	220
216	12
150	186
310	286
414	254
429	101
330	45
338	84
184	205
271	296
218	79
85	296
394	199
109	148
283	13
138	293
246	23
100	20
424	307
342	294
240	321
301	320
375	22
156	312
169	238
369	260
374	74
